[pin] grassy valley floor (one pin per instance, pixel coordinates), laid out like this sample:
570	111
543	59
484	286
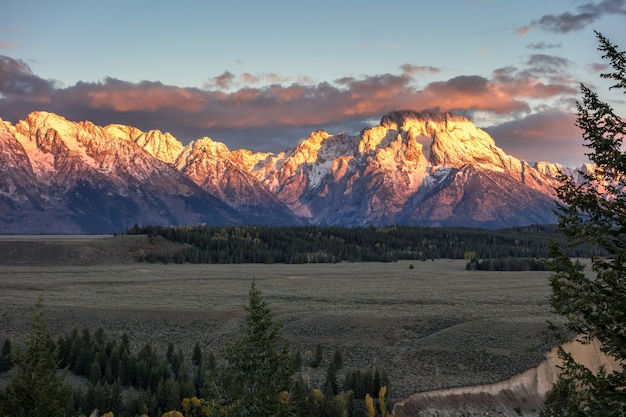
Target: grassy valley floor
432	326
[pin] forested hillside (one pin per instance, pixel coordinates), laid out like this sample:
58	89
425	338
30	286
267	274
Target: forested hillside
258	374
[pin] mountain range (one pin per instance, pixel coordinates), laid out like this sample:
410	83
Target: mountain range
429	169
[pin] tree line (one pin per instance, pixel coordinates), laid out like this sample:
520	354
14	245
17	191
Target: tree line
317	244
507	264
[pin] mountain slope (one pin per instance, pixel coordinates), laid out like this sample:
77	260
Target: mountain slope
413	168
86	181
478	197
211	165
434	169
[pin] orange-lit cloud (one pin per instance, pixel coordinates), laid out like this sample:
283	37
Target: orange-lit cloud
228	80
523	31
122	96
248	78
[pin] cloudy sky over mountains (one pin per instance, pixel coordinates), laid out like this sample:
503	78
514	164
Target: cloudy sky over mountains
262	75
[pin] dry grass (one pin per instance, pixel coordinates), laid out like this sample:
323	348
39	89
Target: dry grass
433	326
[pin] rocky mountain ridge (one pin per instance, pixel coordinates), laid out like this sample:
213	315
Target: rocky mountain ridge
413	168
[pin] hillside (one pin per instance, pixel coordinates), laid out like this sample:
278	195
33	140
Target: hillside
83	250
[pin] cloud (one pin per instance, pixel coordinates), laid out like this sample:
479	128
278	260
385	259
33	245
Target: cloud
544	77
273	77
419	70
544	45
472	93
7	45
547	61
553	131
597	68
248	78
123	96
585	14
18	81
553	69
523	31
267	113
541	77
222	81
228	80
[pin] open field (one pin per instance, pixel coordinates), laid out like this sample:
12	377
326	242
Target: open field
430	327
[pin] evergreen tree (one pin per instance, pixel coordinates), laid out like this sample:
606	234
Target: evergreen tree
170	352
168	394
259	366
5	357
595	212
330	384
114	362
337	360
196	358
177	362
317	360
36	388
95	373
562	400
116	402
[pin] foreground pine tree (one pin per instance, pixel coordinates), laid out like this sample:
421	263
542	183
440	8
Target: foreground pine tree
36	388
258	368
594	212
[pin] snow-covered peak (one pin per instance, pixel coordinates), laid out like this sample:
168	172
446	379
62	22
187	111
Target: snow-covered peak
454	140
307	151
203	148
123	132
375	137
248	159
549	168
161	145
316	155
45	136
209	146
59	149
38	119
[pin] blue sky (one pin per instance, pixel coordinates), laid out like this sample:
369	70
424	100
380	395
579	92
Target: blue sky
262	75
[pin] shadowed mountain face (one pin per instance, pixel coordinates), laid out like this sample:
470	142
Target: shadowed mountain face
58	176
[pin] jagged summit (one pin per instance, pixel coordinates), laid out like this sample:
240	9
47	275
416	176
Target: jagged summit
412	168
400	117
449	139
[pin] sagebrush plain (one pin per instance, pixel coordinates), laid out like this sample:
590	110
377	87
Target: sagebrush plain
430	326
